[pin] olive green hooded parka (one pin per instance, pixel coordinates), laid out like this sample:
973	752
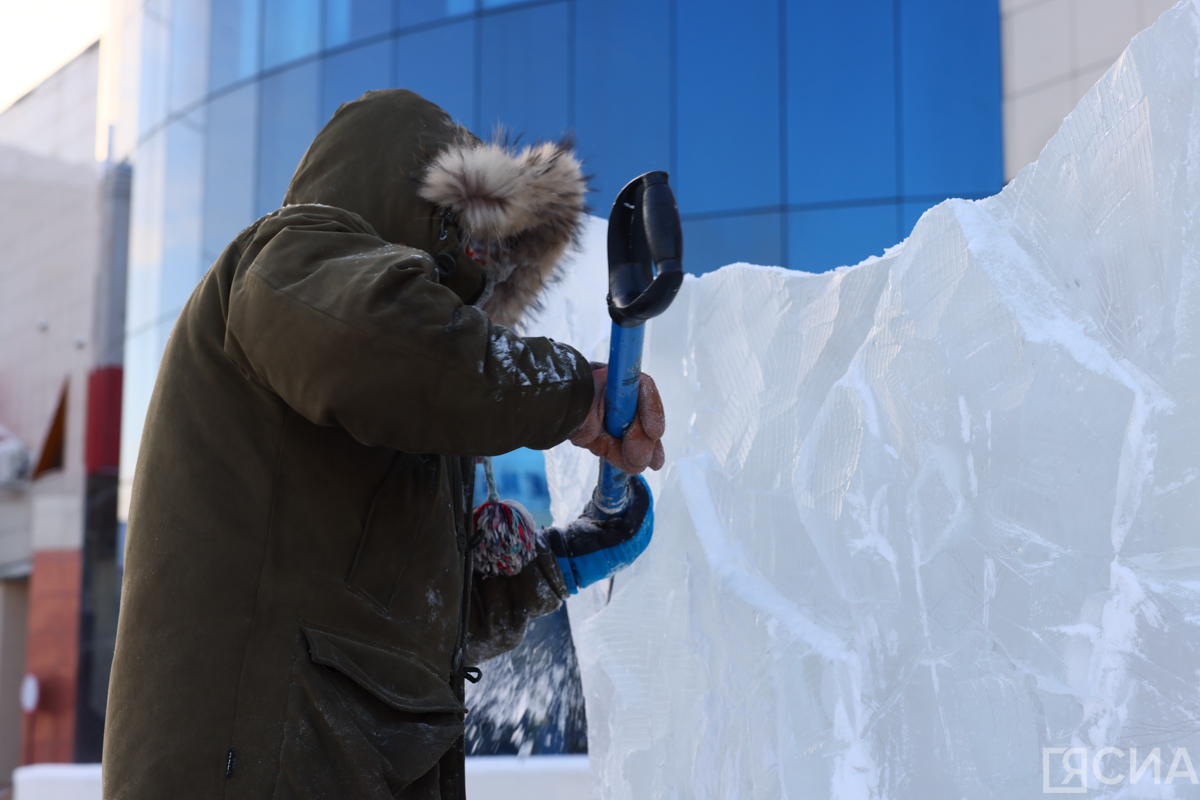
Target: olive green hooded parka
298	610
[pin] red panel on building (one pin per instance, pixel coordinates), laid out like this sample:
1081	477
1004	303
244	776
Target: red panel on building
52	654
102	448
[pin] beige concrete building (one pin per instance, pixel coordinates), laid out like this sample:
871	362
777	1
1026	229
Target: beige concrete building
1054	51
58	355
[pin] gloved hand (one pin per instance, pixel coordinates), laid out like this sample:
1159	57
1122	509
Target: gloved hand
591	549
641	446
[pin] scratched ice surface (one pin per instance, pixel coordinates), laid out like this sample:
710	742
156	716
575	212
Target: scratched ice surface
926	516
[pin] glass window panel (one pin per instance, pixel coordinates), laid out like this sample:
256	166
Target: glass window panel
155	72
289	114
951	98
709	244
841	101
293	30
525	88
347	75
415	12
350	20
126	91
145	234
189	52
234	48
337	22
183	209
828	238
229	168
439	65
623	92
728	90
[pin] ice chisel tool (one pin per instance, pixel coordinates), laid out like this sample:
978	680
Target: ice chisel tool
645	271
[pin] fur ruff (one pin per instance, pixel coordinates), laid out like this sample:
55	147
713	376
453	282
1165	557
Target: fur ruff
517	210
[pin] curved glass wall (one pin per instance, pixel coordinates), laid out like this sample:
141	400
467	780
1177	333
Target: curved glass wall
808	134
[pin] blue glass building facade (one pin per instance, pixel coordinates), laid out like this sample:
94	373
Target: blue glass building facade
799	133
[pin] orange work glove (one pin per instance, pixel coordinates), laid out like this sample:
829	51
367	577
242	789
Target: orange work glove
642	446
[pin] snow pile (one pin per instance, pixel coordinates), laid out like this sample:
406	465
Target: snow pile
930	520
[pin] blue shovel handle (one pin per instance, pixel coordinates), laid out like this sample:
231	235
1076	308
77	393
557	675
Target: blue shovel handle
645	271
620	405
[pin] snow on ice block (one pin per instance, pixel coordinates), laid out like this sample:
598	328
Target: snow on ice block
930	525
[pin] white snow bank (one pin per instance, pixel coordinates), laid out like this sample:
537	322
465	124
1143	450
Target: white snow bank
517	778
488	778
57	782
926	517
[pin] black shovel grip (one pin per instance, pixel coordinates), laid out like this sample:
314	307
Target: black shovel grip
645	251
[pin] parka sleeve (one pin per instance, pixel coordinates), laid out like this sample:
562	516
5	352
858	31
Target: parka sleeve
353	331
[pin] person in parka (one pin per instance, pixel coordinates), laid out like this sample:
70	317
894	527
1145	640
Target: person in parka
299	610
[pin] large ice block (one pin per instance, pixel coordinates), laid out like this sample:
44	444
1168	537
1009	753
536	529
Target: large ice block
931	520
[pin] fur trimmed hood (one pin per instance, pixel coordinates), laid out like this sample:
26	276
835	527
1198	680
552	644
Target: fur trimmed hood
419	179
516	213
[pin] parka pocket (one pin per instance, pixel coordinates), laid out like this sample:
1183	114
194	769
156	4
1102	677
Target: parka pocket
364	721
397	516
